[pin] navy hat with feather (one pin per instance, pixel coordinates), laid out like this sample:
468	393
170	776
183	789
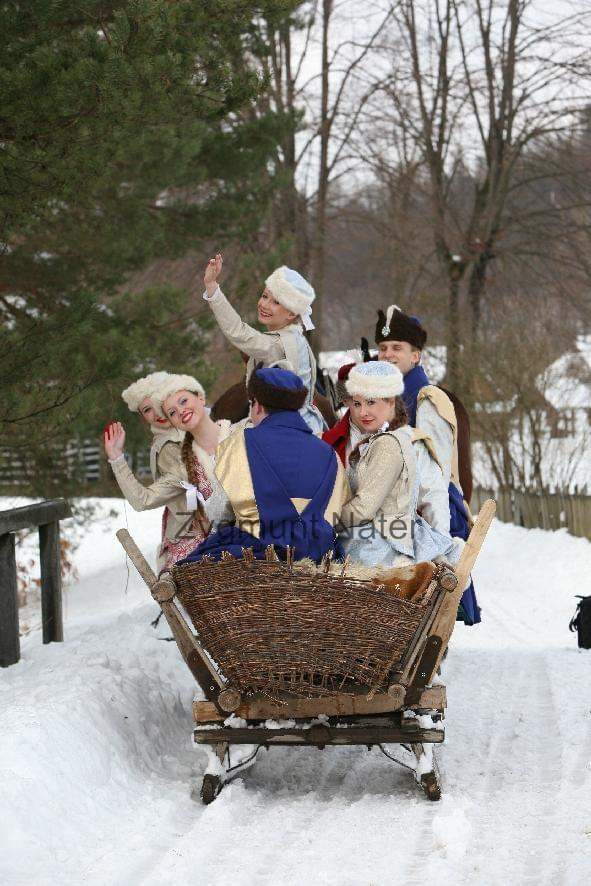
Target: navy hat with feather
396	326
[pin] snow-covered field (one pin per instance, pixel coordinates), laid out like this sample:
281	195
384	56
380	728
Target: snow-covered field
97	766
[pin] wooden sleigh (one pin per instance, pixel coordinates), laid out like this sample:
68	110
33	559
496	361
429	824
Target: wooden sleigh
287	657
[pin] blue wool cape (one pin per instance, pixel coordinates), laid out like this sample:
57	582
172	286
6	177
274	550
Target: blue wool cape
285	461
414	380
469	610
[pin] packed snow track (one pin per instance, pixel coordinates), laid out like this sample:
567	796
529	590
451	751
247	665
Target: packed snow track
99	778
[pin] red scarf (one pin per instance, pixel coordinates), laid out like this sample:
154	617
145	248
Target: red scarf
338	435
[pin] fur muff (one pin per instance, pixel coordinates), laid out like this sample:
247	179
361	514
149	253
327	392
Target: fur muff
408	582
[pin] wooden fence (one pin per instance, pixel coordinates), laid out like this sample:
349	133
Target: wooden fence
46	516
542	510
80	459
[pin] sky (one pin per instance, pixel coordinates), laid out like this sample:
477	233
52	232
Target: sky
354	21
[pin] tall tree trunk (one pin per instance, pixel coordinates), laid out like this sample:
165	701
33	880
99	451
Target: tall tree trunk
476	288
319	237
452	373
295	226
476	293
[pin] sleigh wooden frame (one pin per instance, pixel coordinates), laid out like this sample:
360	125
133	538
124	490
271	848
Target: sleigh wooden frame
403	715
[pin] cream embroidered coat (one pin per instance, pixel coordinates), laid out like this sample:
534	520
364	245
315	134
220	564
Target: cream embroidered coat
167	490
382	483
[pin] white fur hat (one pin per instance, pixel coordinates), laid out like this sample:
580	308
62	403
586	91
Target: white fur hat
375	380
142	388
293	292
174	383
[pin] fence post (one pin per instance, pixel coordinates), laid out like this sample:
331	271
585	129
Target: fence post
51	583
10	647
45	515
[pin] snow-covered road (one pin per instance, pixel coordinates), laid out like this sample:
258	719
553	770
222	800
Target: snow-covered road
97	766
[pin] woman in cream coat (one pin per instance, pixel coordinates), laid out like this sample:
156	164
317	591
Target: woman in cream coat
381	524
140	399
184	469
285	309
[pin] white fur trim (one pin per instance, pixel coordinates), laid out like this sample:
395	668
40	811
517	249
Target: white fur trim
374	387
176	383
287	295
142	388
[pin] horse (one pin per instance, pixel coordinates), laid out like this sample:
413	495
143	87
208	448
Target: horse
233	403
464	449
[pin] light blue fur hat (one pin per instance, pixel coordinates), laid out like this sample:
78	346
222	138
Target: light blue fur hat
375	380
292	291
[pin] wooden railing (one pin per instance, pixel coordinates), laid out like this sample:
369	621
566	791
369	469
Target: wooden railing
45	515
541	510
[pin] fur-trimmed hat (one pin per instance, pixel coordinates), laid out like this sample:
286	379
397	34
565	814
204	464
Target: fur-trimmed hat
293	292
396	326
142	388
342	376
175	383
375	380
276	388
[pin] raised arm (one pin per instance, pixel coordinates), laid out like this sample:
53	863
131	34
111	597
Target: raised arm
140	497
260	345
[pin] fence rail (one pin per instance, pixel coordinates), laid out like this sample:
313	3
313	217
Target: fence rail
80	459
539	510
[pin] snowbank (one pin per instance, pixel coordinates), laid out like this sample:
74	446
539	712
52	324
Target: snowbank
97	766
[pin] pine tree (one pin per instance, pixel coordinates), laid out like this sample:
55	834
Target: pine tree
125	135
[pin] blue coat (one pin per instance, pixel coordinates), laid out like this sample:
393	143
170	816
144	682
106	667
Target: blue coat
285	462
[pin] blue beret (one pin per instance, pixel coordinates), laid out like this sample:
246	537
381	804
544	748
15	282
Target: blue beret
280	378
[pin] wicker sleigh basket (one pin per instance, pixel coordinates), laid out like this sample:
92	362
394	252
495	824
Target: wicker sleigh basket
340	659
273	628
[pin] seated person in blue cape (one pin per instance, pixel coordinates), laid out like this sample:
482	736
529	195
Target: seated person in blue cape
275	483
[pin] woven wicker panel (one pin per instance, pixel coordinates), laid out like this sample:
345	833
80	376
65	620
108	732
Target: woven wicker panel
272	630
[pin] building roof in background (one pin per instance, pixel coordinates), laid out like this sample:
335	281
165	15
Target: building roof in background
566	383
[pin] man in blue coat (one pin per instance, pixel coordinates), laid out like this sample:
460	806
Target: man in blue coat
400	339
275	483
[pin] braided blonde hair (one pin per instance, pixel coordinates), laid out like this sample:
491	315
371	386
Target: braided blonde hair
188	458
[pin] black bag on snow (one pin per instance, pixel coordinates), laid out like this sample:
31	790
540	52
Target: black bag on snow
581	622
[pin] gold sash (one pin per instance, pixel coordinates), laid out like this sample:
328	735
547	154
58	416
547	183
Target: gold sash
446	411
233	473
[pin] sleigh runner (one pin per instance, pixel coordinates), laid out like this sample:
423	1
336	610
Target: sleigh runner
285	656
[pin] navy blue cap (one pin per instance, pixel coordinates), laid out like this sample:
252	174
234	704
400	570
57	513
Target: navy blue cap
280	378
